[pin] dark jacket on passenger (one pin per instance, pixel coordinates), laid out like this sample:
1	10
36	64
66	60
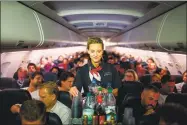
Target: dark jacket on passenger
108	75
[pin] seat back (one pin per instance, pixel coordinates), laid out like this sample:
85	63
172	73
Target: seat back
6	82
134	88
146	79
64	97
180	98
177	78
53	119
9	97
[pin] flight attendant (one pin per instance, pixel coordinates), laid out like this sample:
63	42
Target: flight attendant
97	69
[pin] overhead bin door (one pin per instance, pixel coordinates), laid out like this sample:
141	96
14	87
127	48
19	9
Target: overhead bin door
173	32
19	27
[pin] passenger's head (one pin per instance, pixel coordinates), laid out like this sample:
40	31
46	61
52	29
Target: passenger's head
151	64
33	112
172	114
55	70
184	76
65	61
22	73
164	72
48	93
155	78
36	79
31	67
60	58
95	49
130	75
168	84
149	97
66	80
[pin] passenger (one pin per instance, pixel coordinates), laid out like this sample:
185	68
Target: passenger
180	85
33	112
155	78
152	67
172	114
140	70
163	72
66	81
31	67
48	93
36	79
96	68
59	60
184	88
168	87
143	109
21	75
64	65
130	75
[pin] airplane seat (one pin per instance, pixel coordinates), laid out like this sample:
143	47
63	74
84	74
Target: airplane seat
6	82
64	97
49	76
9	97
177	78
51	119
26	83
146	79
129	98
180	98
131	87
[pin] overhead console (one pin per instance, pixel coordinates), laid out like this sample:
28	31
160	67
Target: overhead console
22	27
164	33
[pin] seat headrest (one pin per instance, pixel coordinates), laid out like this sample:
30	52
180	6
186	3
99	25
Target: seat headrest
64	97
6	82
180	98
53	119
49	76
9	97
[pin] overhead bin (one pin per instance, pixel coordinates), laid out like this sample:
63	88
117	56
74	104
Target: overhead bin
56	34
166	32
19	28
173	32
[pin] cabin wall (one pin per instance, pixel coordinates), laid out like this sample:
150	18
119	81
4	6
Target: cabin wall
174	62
11	61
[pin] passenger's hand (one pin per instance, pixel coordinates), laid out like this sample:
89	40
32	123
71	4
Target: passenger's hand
115	92
150	111
15	109
74	91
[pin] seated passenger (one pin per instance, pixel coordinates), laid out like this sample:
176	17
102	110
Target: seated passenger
31	67
180	85
172	114
143	110
33	112
130	75
155	78
20	76
35	80
66	81
48	93
168	87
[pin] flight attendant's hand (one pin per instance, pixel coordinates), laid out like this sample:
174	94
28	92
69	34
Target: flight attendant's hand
115	92
74	91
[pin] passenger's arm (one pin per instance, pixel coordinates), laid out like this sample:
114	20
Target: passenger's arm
15	108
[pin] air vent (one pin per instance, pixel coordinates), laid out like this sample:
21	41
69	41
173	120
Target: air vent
20	44
100	24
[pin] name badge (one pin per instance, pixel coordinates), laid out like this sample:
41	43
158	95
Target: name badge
107	74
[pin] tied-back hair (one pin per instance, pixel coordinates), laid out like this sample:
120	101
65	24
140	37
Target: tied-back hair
93	40
33	110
